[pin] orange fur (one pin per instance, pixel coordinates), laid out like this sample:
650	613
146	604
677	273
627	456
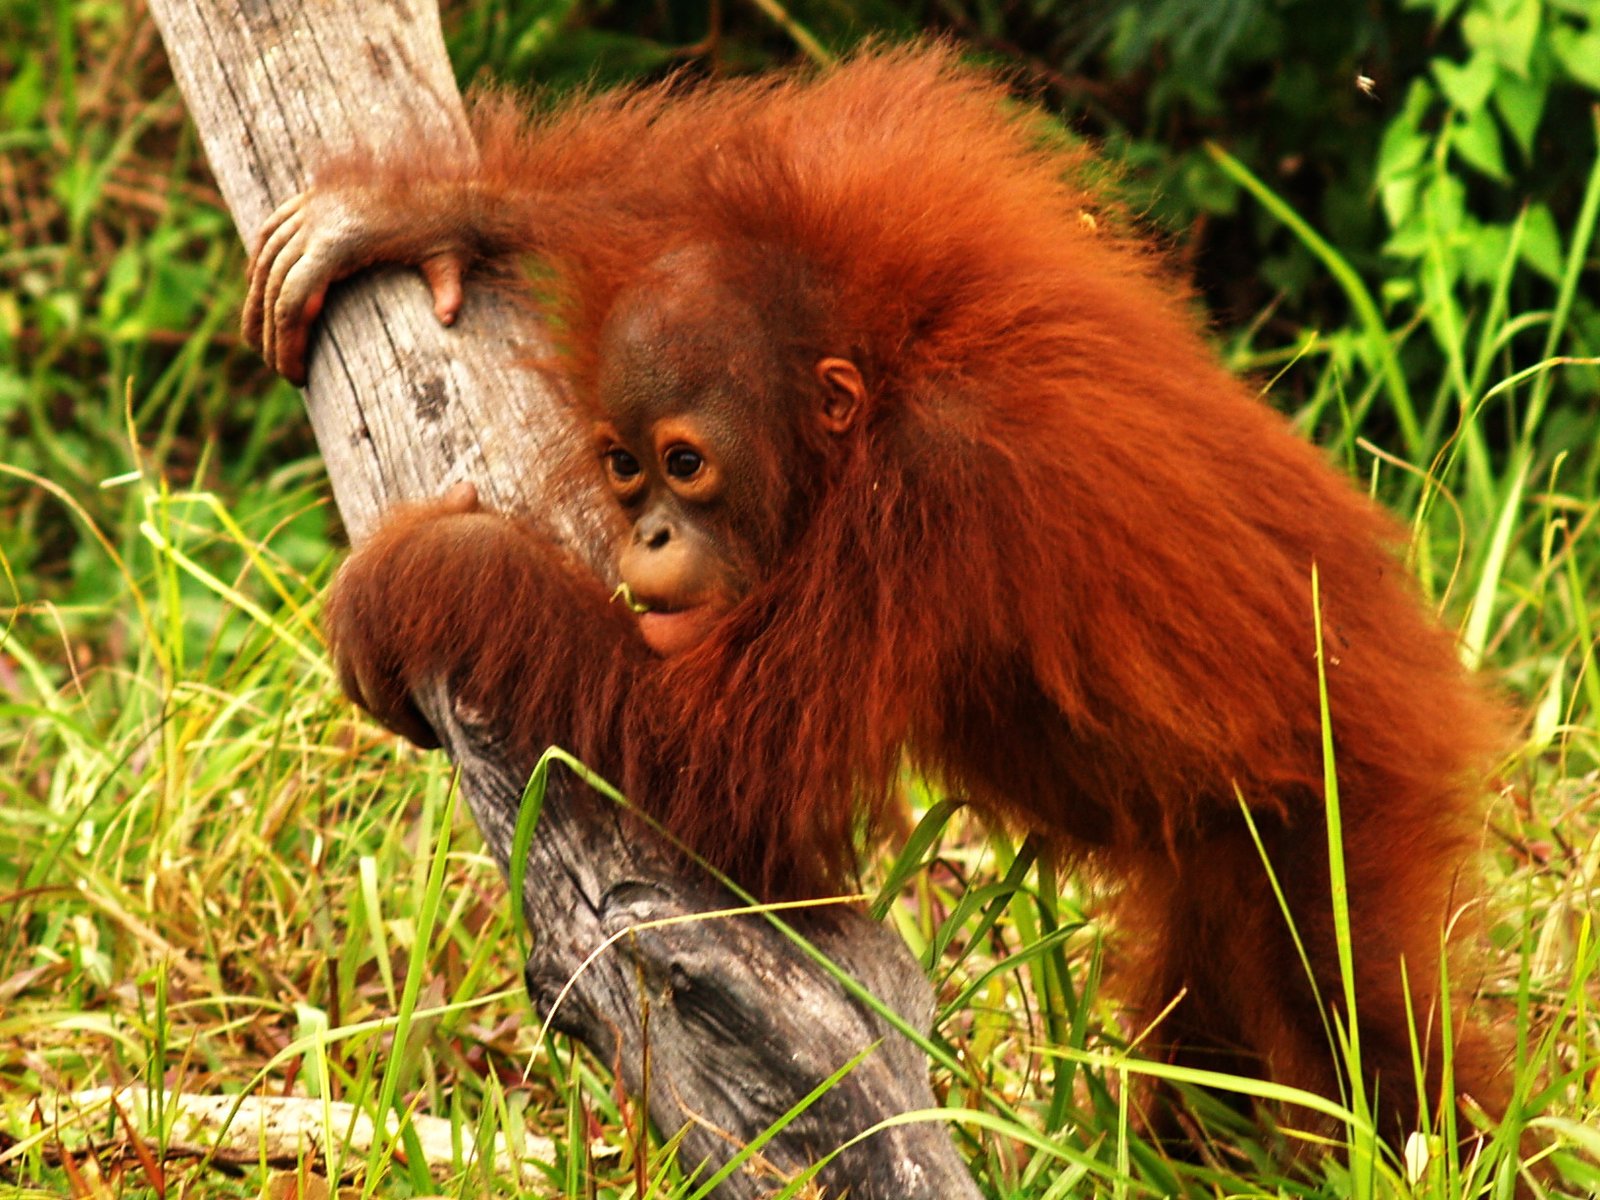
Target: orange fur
1063	564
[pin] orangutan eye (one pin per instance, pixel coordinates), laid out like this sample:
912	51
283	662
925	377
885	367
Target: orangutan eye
621	464
683	463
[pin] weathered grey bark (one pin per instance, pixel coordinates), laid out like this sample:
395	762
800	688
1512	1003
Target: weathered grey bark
739	1025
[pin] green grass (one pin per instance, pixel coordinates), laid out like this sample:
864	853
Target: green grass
216	878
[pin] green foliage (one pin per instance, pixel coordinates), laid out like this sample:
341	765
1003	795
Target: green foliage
1503	97
119	283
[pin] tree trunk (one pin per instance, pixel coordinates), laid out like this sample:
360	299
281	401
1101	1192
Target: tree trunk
722	1024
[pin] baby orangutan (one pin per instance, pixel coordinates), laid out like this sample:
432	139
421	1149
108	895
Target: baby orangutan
915	460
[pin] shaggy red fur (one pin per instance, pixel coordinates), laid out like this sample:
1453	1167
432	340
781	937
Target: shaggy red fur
1063	564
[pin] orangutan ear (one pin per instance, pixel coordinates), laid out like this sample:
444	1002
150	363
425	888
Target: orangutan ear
844	394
